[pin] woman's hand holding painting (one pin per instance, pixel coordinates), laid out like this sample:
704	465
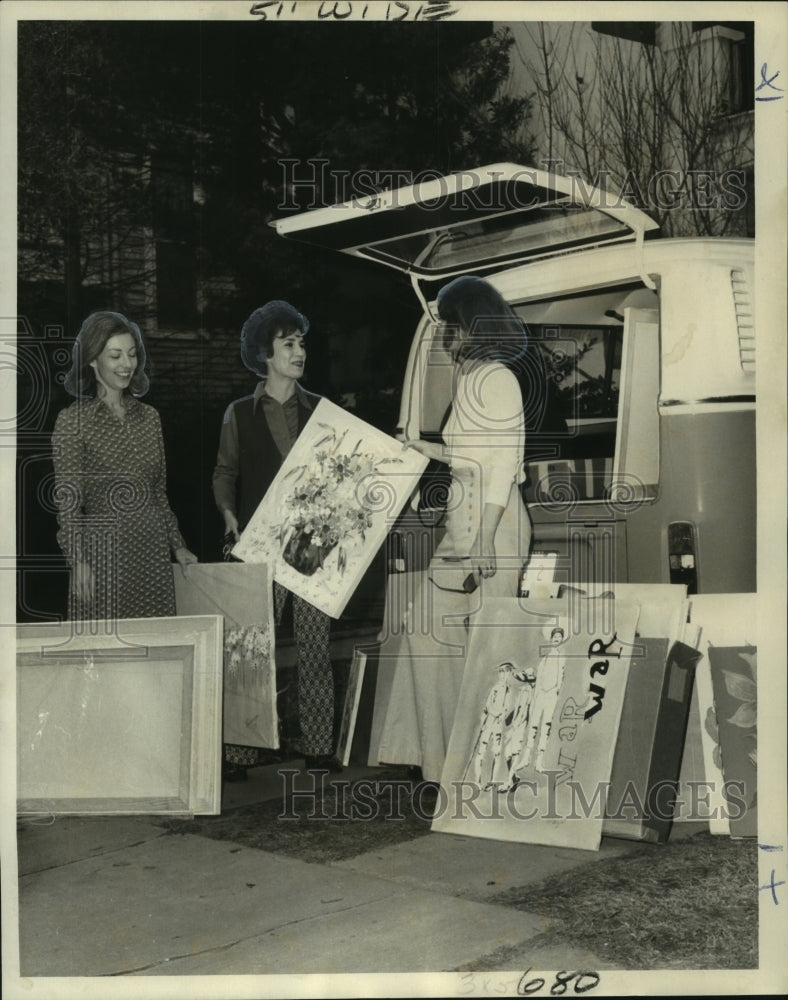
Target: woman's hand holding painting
231	525
430	449
483	555
185	558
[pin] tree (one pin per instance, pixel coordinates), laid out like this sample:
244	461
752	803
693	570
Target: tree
651	121
97	102
320	105
102	103
131	127
74	195
402	97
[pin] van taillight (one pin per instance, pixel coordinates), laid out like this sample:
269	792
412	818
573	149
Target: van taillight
682	555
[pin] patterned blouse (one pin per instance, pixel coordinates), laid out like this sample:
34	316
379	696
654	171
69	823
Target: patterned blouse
113	512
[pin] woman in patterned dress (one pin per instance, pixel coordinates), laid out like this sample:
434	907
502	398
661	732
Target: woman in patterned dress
116	527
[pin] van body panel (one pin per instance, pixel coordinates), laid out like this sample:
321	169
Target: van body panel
700	337
708	478
688	425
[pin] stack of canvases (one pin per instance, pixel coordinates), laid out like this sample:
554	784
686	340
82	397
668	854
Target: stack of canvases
572	713
594	744
719	773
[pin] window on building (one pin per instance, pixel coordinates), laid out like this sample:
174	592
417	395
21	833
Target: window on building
739	38
633	31
741	84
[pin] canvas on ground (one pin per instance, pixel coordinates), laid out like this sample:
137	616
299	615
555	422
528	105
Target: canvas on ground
734	681
724	620
120	717
241	593
347	726
531	749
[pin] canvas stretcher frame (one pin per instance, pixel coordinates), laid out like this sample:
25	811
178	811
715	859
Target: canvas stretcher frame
536	723
724	620
120	717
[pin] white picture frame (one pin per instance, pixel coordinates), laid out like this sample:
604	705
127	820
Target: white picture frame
347	726
120	717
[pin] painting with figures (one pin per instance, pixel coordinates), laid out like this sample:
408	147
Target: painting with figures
531	749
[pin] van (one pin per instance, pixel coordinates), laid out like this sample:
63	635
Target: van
639	378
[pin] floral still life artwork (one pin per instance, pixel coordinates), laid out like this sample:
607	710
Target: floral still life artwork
733	723
330	507
250	715
242	596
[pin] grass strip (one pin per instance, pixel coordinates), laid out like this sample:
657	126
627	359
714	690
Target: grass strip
339	822
688	904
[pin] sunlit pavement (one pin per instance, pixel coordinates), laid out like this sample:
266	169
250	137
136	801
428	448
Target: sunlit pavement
109	896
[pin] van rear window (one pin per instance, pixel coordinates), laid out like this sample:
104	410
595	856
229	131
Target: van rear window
571	383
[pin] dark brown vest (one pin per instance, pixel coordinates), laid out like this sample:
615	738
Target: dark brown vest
259	459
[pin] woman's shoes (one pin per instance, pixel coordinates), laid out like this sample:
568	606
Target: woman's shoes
323	762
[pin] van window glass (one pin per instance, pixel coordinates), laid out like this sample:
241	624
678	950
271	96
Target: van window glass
570	377
515	234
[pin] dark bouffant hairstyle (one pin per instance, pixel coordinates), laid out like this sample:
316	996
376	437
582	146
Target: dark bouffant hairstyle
493	329
91	341
276	318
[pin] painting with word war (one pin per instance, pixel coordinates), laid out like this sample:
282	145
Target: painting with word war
329	509
531	749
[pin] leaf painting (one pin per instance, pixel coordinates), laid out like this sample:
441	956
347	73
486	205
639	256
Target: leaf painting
734	678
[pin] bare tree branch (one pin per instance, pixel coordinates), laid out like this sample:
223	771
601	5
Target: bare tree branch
637	112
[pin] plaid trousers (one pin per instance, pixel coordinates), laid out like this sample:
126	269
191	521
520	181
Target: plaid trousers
311	629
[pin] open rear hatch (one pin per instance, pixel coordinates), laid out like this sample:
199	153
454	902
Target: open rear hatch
473	220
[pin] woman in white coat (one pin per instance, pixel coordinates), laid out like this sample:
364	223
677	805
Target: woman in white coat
488	529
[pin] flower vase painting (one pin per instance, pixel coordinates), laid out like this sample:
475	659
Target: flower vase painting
330	507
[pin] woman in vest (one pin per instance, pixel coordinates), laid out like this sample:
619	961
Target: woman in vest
257	433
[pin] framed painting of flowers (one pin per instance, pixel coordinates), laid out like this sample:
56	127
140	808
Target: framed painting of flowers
330	507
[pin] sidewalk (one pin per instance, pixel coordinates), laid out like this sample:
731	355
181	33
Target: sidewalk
123	896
